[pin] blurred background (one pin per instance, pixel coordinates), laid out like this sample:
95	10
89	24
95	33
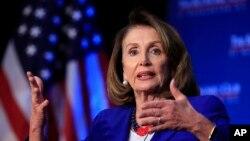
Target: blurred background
68	44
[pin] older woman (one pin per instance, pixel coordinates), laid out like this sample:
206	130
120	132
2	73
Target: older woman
150	77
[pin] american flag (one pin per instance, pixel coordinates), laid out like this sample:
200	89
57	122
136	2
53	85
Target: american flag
59	41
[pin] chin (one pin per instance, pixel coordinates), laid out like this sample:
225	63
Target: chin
147	87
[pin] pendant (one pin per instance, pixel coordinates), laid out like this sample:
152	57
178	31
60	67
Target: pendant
143	130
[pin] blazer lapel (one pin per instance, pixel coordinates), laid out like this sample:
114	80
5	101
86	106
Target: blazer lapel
163	135
122	131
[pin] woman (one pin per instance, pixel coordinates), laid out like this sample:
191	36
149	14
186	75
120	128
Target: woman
150	77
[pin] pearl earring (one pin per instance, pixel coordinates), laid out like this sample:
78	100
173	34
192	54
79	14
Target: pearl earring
125	82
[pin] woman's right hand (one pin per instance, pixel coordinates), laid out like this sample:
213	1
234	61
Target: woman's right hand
38	105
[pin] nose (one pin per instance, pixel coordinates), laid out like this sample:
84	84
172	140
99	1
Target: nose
145	61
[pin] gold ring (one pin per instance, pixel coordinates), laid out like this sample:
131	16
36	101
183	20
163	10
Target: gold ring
159	120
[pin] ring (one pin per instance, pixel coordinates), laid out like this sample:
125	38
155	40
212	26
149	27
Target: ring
159	120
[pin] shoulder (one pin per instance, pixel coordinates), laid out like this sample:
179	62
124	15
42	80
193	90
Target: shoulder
111	117
207	104
109	121
114	112
111	110
205	99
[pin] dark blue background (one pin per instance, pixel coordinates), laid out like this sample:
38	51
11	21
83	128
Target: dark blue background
210	31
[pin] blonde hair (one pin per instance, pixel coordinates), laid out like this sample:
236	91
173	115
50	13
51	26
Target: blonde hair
179	62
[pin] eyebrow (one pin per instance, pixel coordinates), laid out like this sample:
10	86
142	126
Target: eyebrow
130	44
155	42
150	43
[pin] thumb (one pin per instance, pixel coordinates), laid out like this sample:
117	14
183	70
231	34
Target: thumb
177	94
39	83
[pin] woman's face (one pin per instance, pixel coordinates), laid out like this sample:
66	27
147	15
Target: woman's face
144	60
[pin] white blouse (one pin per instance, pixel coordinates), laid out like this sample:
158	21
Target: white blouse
134	137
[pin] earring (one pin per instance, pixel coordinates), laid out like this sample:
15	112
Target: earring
125	82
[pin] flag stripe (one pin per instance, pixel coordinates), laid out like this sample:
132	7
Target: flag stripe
85	94
52	124
16	79
104	62
15	97
15	116
74	91
6	133
56	112
69	129
95	85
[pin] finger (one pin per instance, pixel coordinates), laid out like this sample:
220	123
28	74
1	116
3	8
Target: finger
177	94
36	87
44	104
150	121
39	83
152	104
36	81
32	80
152	112
29	73
158	128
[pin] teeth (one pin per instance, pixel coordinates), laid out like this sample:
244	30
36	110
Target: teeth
144	75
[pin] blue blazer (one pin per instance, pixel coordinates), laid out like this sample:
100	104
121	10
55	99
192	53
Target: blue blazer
114	124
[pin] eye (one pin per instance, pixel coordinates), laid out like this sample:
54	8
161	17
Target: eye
133	52
156	51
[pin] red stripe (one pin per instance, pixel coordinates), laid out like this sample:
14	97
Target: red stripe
53	134
103	59
69	129
85	93
16	118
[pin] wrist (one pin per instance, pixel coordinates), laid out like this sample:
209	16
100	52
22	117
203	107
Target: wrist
203	129
197	124
35	134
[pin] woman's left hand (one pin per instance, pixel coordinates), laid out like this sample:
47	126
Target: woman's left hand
170	114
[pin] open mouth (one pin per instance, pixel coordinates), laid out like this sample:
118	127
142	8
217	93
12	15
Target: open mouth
145	75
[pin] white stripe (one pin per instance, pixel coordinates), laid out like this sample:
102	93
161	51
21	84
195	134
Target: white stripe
74	92
6	134
95	83
17	80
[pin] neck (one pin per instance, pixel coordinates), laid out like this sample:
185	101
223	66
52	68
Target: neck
143	96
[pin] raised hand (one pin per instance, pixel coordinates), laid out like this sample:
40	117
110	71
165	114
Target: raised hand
38	105
174	114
